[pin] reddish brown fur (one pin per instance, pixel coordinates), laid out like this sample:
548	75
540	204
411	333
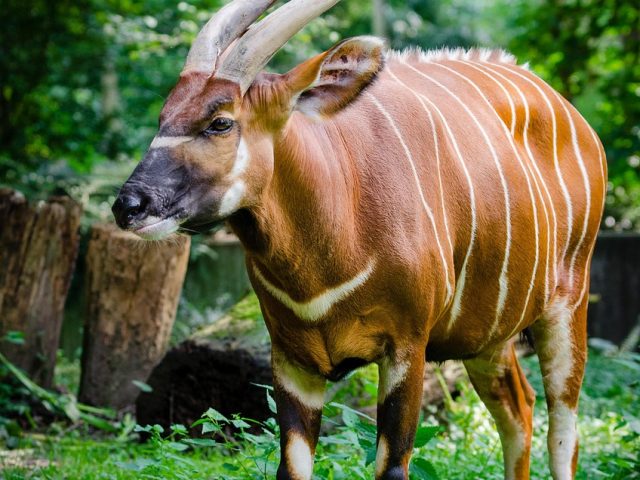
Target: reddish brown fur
327	194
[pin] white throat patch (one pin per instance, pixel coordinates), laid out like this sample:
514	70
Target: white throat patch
316	308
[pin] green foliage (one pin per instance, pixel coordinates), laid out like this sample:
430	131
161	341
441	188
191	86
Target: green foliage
61	404
590	52
458	443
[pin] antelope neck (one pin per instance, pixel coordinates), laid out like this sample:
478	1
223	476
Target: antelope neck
305	212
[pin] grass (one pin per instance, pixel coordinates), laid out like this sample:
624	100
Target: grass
456	442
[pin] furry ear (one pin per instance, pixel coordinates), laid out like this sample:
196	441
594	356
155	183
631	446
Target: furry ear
329	82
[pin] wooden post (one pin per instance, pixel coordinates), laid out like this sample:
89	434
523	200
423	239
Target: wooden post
132	289
38	248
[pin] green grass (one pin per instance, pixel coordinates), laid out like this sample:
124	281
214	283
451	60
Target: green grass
455	443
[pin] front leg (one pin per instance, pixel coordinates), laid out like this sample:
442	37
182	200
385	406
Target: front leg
299	397
399	401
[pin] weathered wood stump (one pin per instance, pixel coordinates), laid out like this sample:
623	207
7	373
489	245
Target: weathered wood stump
38	248
132	290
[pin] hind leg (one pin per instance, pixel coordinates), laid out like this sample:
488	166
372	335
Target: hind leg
561	343
502	386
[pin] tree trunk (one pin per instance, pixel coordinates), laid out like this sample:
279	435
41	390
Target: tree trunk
133	288
38	248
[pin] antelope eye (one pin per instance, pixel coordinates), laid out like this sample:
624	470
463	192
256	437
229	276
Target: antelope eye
218	126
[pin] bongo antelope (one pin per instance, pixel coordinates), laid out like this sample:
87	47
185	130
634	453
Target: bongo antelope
395	208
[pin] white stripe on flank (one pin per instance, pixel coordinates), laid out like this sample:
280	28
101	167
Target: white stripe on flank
437	153
531	195
556	163
426	207
456	307
503	282
533	166
587	185
600	163
539	179
316	308
162	142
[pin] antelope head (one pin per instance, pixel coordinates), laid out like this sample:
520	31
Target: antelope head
213	154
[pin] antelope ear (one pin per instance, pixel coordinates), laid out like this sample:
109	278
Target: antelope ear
329	82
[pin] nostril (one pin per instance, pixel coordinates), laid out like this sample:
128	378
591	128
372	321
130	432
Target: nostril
127	208
132	211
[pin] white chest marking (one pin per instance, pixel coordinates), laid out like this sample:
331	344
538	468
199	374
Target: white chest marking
162	142
316	308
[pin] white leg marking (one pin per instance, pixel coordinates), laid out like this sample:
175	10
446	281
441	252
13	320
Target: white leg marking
242	160
162	142
232	198
299	457
307	388
503	282
382	456
316	308
512	439
557	346
426	207
562	440
391	375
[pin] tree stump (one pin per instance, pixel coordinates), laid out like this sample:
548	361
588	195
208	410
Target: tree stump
38	249
132	293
